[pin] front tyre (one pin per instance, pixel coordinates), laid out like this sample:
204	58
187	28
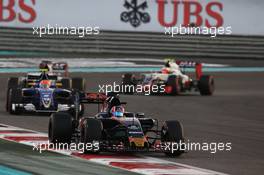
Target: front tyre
14	97
12	83
60	128
91	132
172	132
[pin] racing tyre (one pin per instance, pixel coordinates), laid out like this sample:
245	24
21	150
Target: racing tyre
91	132
60	128
12	82
129	82
206	85
66	83
78	84
14	97
173	83
172	132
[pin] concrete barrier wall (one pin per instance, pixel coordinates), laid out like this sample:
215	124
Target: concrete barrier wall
132	44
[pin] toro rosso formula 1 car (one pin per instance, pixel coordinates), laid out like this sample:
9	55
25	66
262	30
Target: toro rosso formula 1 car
115	130
42	93
171	80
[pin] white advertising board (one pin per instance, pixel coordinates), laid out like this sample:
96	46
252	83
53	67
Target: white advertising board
243	16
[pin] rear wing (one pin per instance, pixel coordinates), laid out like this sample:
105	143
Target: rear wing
94	98
189	64
192	64
60	66
57	68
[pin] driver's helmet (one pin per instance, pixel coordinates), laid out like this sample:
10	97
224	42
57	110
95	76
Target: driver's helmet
117	111
167	63
45	84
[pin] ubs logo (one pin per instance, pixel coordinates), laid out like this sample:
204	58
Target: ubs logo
135	13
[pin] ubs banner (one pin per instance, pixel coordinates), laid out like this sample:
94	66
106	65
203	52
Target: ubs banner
243	16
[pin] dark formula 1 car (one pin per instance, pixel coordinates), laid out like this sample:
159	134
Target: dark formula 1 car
114	129
42	93
171	80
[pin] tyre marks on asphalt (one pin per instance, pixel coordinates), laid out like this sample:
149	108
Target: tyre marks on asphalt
132	163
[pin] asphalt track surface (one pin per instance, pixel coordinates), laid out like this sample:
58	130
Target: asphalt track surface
234	114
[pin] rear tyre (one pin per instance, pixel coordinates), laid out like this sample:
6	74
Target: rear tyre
12	82
91	131
174	83
66	83
172	132
14	97
60	128
78	84
129	82
206	85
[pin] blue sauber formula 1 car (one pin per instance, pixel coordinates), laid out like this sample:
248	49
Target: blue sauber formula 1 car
42	95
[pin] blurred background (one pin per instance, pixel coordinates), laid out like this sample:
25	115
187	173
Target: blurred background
131	28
